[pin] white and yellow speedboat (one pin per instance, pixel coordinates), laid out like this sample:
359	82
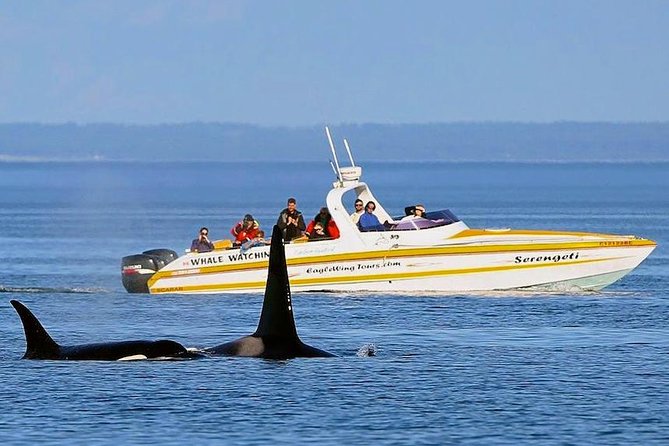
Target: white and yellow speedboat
438	253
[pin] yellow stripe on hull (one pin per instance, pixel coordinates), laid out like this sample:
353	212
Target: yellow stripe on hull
509	232
351	279
407	253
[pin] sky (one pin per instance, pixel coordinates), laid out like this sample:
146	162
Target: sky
296	63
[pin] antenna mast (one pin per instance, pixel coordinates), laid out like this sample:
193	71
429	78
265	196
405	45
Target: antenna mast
334	154
348	150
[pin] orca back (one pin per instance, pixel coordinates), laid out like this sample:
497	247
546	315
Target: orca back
113	351
40	345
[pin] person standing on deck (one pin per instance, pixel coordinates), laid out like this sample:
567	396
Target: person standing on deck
291	221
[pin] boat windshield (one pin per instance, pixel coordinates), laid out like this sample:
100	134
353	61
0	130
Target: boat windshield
432	220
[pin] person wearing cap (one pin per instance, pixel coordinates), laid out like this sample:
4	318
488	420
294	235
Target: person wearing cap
290	221
245	230
359	210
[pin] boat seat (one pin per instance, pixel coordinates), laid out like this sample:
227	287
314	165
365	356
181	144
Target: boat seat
222	244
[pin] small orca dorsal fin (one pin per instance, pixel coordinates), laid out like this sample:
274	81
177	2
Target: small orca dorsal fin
276	319
40	345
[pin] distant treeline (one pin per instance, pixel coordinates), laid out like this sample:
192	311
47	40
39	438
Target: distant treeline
560	141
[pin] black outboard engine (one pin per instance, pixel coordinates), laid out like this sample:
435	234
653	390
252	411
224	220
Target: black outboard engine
163	256
137	269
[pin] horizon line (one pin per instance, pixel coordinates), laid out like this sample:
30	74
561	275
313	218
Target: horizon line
9	159
340	124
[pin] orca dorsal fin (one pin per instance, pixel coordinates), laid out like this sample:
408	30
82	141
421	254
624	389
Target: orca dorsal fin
276	318
39	344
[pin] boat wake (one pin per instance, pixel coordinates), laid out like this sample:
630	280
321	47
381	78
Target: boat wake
50	290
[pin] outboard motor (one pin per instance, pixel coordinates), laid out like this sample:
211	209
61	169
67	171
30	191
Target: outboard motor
163	256
137	269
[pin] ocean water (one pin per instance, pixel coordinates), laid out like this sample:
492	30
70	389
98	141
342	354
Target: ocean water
491	368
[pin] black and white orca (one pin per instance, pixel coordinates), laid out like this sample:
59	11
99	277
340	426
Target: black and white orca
276	336
40	345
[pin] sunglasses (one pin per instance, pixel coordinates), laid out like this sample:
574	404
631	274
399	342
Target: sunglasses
358	205
204	233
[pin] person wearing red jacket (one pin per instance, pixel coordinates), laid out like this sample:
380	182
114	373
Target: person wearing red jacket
245	230
325	219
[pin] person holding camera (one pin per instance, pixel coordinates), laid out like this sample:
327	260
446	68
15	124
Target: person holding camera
202	243
245	230
291	221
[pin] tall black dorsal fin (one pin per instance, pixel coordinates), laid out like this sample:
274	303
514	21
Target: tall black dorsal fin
39	344
276	318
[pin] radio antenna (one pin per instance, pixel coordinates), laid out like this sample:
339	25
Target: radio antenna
348	150
334	154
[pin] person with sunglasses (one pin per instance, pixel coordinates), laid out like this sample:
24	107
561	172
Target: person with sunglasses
327	224
359	210
202	243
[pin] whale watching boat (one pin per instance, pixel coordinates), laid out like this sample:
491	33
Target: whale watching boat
436	253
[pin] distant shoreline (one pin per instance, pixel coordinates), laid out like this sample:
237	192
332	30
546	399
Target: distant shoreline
444	142
31	160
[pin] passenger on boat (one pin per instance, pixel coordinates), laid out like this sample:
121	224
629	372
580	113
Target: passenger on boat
417	211
359	210
245	230
291	221
258	240
318	233
202	243
325	219
368	221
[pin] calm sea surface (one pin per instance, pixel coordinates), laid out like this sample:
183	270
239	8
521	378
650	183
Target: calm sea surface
497	368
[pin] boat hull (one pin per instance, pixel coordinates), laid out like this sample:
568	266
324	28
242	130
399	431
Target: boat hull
464	267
